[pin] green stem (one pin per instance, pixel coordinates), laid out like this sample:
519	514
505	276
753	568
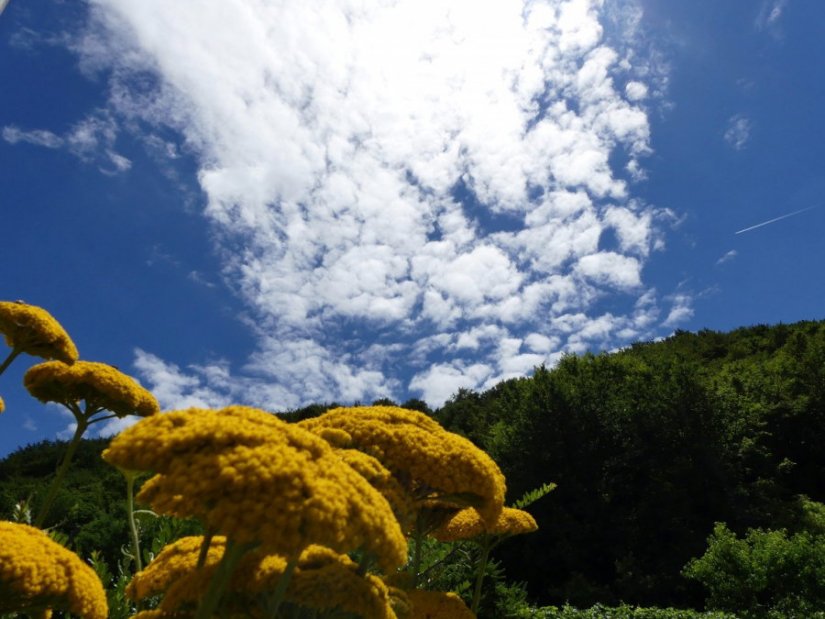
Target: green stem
418	542
441	561
220	578
131	476
204	551
283	582
61	472
12	356
482	567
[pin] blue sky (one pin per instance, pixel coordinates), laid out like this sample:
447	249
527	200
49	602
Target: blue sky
241	202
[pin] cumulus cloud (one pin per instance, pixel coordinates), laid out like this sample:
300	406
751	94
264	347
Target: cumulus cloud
636	91
680	311
738	131
407	196
203	387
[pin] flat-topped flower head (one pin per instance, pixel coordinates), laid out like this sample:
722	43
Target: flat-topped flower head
322	580
467	524
416	449
37	573
437	605
101	386
33	330
154	444
258	480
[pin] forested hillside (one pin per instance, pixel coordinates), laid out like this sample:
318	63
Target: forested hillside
649	446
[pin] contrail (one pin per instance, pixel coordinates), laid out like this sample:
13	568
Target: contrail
770	221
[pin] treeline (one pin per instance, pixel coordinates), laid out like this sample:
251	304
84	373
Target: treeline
649	446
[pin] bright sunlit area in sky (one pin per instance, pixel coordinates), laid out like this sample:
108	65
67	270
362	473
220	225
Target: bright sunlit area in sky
285	203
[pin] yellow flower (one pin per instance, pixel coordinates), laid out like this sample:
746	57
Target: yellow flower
438	605
102	386
248	475
381	479
467	524
2	405
322	580
33	330
336	437
434	463
38	573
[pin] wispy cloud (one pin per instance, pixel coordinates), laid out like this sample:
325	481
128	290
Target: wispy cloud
398	177
770	12
738	131
38	137
92	140
774	220
727	257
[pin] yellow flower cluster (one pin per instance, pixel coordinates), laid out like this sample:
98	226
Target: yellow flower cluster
466	524
256	479
38	573
2	405
33	330
382	480
100	385
416	448
322	580
438	605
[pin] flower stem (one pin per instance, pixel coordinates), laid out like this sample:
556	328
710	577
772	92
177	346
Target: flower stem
12	356
482	568
82	424
231	554
280	590
131	476
204	551
418	541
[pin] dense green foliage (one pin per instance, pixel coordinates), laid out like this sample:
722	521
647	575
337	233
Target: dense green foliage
765	571
89	508
650	447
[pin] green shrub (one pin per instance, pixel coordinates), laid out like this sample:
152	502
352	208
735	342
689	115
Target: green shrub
768	573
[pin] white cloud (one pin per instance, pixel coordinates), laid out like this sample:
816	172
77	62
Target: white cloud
91	140
414	189
610	268
770	12
176	389
635	91
727	257
681	310
439	382
38	137
738	131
